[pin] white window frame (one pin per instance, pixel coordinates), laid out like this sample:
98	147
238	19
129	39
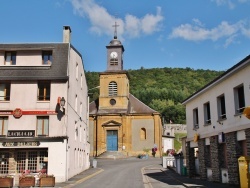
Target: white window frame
43	90
49	57
207	114
221	106
5	91
41	121
77	70
10	58
3	125
239	99
196	118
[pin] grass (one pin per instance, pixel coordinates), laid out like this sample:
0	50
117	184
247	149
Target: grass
177	140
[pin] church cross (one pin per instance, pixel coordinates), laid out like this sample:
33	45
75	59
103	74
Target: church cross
115	34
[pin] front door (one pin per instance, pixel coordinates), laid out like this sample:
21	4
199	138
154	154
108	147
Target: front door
112	139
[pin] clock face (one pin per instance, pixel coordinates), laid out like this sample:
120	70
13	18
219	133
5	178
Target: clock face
113	54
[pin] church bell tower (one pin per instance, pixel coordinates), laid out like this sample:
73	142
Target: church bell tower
115	53
114	82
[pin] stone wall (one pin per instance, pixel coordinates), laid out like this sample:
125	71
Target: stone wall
215	164
202	158
190	160
247	131
234	151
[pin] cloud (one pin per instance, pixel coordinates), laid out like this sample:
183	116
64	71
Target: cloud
101	20
230	40
198	32
150	23
228	3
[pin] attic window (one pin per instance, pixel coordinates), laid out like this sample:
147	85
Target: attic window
112	88
47	57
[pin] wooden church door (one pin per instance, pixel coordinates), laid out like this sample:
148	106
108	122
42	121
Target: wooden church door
112	140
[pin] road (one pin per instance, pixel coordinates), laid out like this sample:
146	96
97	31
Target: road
138	173
122	173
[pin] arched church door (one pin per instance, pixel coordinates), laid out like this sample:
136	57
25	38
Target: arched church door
112	140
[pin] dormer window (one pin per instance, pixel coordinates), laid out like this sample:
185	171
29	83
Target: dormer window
10	58
47	57
112	88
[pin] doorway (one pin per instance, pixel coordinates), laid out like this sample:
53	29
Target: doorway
112	140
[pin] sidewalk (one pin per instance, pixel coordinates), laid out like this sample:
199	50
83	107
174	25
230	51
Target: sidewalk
158	177
83	176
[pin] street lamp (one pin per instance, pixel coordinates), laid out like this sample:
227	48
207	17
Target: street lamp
62	102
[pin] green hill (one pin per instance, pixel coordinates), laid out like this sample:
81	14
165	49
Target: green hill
163	89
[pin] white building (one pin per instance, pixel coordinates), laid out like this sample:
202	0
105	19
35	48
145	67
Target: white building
217	127
36	132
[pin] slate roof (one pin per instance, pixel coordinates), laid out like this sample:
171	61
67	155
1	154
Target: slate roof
57	71
135	106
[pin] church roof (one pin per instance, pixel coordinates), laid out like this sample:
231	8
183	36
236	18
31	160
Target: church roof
115	42
135	106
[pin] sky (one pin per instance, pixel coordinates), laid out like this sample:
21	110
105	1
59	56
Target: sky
199	34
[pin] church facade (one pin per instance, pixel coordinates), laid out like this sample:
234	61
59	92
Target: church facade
118	121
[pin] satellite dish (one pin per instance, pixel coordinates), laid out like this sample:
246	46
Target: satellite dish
246	112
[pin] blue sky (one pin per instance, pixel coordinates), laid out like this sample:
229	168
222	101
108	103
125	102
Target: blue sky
200	34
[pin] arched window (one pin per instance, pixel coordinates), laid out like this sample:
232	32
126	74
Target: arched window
112	88
143	134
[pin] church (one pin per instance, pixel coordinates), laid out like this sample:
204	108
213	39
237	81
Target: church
118	121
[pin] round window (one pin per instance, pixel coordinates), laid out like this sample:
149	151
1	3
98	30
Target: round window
112	101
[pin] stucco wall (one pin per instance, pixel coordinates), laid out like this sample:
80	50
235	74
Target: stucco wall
137	143
232	123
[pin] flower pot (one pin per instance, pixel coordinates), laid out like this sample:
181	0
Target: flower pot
26	181
47	181
6	181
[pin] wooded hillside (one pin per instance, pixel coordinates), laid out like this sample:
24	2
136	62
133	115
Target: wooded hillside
163	89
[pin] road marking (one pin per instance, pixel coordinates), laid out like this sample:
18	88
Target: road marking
84	179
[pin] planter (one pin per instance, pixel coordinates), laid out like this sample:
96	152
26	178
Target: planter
27	181
144	156
6	181
47	181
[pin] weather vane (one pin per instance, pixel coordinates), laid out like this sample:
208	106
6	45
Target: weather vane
115	34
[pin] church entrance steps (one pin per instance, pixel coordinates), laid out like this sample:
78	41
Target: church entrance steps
113	155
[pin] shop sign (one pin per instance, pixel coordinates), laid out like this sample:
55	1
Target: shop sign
18	112
16	144
26	133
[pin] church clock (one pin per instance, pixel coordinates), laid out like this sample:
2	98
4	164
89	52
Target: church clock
113	55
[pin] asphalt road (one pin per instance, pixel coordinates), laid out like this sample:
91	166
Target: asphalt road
122	173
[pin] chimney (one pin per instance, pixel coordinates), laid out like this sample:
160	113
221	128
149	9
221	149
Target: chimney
66	34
